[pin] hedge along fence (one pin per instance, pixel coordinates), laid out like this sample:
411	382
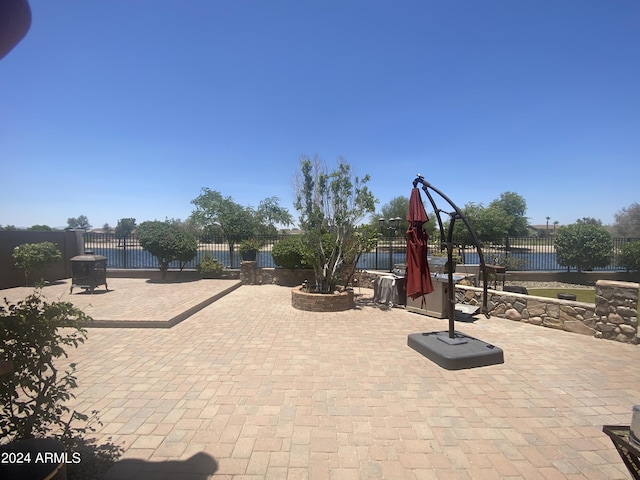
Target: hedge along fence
614	316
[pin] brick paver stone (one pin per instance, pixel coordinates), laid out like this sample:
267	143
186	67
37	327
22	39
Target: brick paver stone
251	388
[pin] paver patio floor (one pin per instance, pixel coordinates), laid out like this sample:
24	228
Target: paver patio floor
134	302
250	388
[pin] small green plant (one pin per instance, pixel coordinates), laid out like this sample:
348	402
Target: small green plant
32	257
209	266
250	245
630	256
33	335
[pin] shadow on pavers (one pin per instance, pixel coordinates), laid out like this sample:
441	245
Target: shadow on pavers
200	466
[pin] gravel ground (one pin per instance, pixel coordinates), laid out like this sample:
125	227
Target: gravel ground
529	285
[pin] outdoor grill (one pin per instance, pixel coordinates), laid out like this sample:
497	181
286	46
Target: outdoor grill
89	271
436	304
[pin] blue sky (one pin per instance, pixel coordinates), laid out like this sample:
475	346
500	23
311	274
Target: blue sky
127	108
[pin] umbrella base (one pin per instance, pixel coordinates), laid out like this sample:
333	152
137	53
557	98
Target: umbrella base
456	353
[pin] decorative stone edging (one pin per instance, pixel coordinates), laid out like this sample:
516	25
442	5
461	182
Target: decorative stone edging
614	315
322	302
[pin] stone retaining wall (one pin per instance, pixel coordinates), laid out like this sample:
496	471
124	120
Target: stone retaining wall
614	315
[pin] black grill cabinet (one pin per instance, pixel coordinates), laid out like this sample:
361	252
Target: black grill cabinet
89	271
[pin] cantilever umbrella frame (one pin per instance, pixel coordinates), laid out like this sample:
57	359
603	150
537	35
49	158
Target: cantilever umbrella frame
454	350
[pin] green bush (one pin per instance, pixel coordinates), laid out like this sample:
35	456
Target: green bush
583	245
31	257
250	245
630	256
289	253
209	266
33	336
168	241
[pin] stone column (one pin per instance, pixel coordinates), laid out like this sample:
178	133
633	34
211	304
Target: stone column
248	273
617	310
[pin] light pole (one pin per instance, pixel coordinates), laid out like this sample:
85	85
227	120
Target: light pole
391	226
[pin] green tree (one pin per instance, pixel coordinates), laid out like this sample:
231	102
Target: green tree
398	207
514	208
590	221
394	208
31	257
488	223
583	245
168	241
81	222
40	228
627	221
330	205
630	256
504	217
269	214
235	222
8	228
125	227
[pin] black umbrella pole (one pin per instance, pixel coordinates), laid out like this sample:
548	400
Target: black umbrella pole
450	292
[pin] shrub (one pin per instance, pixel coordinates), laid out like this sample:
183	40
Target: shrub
33	335
209	266
32	257
630	256
583	245
288	253
250	245
168	241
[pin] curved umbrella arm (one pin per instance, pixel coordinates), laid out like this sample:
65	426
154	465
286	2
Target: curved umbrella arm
449	242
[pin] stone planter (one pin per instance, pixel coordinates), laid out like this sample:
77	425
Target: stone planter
322	302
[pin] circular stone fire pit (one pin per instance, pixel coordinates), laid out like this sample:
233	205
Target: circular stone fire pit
322	302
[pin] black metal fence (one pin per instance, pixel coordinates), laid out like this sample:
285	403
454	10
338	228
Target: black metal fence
127	252
516	253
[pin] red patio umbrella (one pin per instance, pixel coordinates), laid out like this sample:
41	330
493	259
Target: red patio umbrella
418	278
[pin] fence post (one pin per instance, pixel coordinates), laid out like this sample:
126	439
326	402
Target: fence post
124	251
376	257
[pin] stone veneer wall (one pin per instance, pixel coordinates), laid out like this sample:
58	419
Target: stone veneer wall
330	302
614	315
250	274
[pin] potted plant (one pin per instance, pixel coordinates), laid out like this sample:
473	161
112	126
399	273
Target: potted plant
210	267
249	249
